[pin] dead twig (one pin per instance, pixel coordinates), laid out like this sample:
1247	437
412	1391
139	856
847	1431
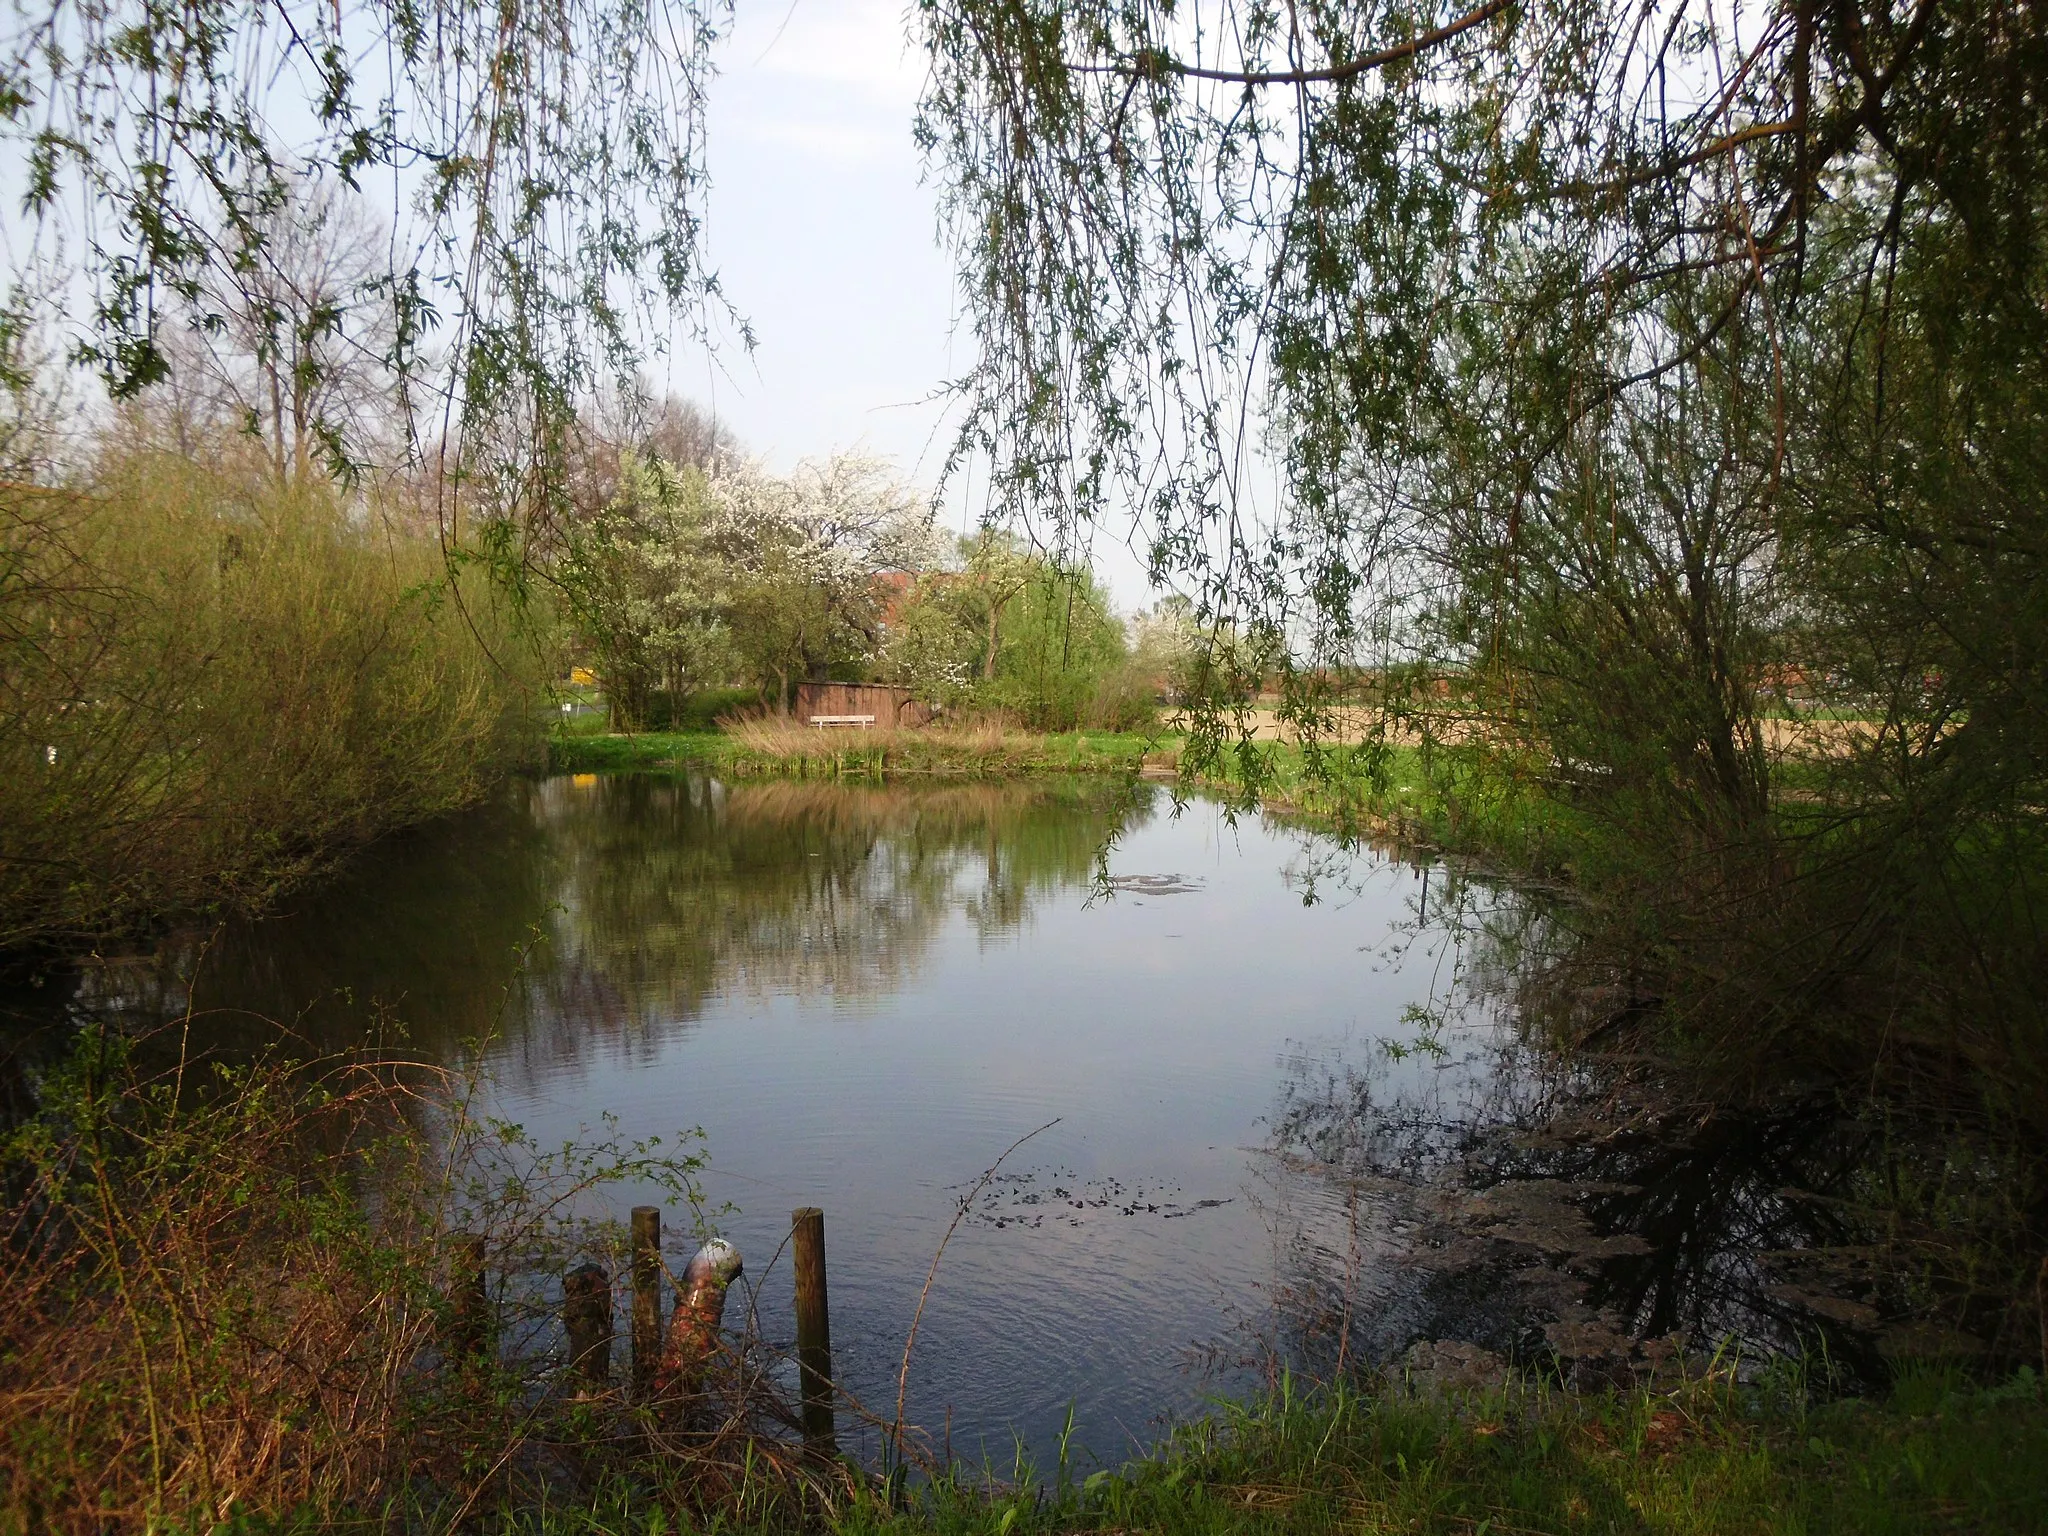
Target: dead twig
916	1317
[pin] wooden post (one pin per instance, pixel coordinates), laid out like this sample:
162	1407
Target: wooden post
646	1294
471	1329
813	1327
587	1319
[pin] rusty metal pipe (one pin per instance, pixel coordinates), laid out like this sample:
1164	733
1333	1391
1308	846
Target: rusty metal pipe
700	1311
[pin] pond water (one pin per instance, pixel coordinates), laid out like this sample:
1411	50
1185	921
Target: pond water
1287	1120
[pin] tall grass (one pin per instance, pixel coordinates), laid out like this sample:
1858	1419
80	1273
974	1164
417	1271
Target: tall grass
209	682
982	744
197	1311
238	1289
1690	1458
986	748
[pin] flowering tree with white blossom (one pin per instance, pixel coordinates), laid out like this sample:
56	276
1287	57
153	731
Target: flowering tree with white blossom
807	557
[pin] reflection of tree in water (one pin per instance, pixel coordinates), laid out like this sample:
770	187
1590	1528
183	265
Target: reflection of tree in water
419	936
1466	1183
605	909
672	890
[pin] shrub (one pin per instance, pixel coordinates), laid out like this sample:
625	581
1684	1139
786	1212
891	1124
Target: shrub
209	683
1126	699
699	711
233	1291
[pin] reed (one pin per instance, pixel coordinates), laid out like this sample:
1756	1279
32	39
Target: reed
987	748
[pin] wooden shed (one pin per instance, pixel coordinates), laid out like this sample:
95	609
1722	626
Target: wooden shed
858	704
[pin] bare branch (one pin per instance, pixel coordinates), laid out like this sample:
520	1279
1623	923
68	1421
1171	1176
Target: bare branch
1152	65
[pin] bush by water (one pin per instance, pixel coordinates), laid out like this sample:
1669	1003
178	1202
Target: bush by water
209	682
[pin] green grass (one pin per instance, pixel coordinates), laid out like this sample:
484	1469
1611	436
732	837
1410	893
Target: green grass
856	755
1699	1460
609	752
1448	799
1703	1460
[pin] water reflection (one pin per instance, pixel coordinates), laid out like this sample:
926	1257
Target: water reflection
1568	1216
421	937
674	890
597	913
1299	1121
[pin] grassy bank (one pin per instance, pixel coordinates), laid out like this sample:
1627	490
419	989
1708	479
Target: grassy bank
1438	798
1699	1459
617	752
775	748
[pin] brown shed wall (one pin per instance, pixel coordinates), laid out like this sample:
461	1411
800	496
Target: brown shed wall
889	706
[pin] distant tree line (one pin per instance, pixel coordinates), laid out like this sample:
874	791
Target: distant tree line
687	568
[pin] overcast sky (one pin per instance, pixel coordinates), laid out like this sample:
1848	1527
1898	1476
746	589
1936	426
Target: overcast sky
825	238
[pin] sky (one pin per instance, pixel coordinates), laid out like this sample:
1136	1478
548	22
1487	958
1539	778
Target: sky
824	233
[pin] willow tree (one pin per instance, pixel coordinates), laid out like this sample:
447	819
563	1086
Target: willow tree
541	161
1639	372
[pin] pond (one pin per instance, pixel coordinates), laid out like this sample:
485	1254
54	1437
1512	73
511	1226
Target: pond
1287	1119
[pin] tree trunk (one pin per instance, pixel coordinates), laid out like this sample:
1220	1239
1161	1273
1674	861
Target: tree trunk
276	420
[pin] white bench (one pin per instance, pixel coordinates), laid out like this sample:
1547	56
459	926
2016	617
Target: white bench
863	721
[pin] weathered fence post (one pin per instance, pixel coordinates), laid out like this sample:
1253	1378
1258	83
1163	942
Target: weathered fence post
470	1328
813	1326
646	1294
587	1319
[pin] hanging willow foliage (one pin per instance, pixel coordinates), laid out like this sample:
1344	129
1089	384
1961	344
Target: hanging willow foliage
1661	383
543	161
1442	245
